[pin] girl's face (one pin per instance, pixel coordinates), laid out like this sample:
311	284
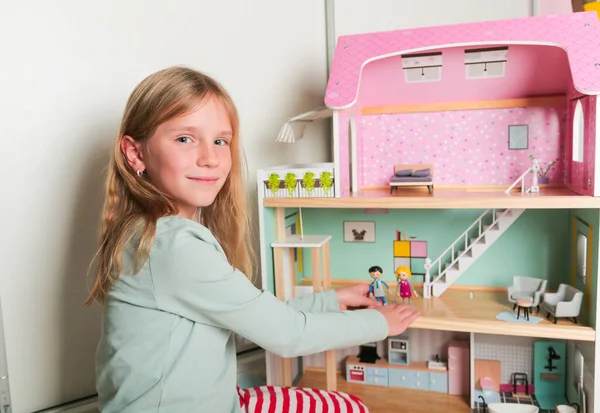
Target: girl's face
403	276
189	157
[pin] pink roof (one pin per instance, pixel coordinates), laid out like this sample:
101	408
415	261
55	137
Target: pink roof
577	33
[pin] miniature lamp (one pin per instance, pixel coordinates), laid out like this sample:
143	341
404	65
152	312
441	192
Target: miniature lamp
292	130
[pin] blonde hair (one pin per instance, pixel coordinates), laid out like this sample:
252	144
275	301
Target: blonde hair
403	269
133	205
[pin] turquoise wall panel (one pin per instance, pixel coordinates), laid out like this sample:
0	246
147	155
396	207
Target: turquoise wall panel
537	244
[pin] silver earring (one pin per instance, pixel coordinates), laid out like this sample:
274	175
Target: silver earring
139	173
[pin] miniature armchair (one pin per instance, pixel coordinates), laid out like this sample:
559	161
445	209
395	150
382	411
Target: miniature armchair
566	302
527	288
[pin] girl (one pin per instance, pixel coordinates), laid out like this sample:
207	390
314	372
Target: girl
404	288
173	256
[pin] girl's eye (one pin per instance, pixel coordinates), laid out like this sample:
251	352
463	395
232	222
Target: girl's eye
184	139
221	142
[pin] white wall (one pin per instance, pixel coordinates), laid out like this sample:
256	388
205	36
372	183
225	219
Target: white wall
360	16
67	69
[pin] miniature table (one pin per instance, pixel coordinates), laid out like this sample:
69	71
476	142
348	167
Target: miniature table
525	305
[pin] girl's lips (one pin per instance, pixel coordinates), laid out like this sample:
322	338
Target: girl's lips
205	180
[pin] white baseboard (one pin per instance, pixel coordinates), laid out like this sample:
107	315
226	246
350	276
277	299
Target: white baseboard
88	405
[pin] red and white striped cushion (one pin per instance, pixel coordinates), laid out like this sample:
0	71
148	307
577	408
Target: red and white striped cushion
271	399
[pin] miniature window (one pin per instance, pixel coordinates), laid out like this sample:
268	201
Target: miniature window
484	63
582	249
518	137
578	364
578	132
424	67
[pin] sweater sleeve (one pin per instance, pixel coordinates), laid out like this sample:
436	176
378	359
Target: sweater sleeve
192	278
321	302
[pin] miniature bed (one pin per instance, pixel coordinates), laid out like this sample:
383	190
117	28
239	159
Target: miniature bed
412	175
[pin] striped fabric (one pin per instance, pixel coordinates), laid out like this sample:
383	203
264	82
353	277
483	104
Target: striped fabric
271	399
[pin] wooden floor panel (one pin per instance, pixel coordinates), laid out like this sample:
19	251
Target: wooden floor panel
445	198
392	399
455	310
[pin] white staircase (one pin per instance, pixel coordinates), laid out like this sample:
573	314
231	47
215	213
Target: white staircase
469	246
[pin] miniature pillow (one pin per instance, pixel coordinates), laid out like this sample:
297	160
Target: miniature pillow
403	172
421	172
264	399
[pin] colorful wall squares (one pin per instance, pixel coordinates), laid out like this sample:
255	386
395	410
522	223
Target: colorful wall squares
418	249
411	254
401	248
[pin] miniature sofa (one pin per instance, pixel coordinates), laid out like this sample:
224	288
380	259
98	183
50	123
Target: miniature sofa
265	399
412	175
565	302
524	288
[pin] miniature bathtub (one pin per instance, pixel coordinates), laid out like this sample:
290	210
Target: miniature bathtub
512	408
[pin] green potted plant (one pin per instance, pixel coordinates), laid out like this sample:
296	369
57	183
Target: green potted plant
543	174
308	182
273	183
290	182
326	180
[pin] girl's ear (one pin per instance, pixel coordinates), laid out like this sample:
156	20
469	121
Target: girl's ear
133	153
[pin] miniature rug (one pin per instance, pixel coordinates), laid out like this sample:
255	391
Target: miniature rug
512	317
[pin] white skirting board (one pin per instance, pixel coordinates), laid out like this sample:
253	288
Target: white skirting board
87	405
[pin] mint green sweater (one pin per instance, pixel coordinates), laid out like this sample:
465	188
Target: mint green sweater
167	344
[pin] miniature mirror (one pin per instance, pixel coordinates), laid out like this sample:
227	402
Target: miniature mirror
518	137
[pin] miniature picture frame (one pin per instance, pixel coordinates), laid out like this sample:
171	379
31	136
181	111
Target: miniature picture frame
518	137
359	231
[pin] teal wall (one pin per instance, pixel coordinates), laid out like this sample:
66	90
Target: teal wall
537	244
591	217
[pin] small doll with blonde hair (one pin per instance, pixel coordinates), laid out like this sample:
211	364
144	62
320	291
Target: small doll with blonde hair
405	289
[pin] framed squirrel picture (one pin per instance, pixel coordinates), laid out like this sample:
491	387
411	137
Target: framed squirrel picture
359	231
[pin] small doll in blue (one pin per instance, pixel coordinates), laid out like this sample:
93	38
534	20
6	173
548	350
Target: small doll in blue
376	287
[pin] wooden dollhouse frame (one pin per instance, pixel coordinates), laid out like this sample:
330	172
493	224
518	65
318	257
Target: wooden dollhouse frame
578	187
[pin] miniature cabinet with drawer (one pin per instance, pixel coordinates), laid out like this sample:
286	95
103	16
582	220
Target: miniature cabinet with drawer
377	375
418	379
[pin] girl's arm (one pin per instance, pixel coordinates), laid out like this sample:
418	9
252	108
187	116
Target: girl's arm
192	278
321	302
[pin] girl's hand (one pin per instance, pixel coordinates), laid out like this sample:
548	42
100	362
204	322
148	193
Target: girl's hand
356	296
399	317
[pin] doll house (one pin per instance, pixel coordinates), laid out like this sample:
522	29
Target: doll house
467	154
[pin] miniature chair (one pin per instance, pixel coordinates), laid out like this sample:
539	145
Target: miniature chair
527	288
566	302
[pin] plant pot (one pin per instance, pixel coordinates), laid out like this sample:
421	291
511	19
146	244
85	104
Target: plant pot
543	179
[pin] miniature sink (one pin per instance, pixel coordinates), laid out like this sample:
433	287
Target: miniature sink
565	409
437	365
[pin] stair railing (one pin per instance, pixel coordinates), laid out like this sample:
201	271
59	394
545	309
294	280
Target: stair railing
464	237
519	179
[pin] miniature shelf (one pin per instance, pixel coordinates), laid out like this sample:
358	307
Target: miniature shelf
455	311
445	198
319	246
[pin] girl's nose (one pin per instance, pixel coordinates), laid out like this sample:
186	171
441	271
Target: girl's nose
207	156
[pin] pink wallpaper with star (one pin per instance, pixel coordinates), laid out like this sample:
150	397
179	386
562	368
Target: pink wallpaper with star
466	147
